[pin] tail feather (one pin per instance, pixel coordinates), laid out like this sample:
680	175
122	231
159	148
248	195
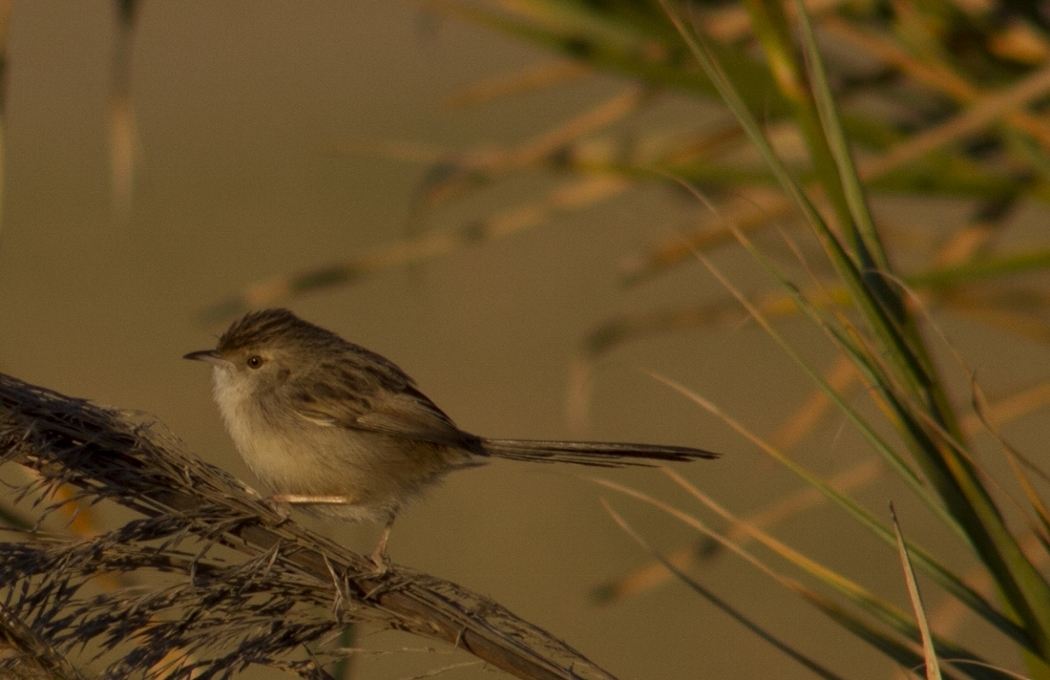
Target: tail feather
597	454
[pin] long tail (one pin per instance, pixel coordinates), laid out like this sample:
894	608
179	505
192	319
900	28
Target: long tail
599	454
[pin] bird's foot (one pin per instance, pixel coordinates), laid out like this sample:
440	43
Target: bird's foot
378	556
381	561
278	506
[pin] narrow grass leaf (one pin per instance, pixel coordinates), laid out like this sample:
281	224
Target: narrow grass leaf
714	599
881	610
1026	591
933	668
885	451
944	577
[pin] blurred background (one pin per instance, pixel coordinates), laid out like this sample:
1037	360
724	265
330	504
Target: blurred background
389	171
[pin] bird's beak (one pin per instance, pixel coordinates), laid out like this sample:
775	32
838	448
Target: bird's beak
209	355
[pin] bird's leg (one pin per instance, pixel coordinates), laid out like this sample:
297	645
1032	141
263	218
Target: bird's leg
280	502
378	554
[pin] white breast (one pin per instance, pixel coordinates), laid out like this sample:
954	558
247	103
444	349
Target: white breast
263	450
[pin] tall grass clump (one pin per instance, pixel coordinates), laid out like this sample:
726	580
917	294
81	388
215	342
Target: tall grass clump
881	328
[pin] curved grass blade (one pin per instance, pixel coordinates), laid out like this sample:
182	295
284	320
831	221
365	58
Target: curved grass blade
955	480
882	611
729	609
930	565
933	668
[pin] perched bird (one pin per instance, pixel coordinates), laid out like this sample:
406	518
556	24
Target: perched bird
332	426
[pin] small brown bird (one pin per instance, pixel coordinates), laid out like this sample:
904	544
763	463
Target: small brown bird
339	429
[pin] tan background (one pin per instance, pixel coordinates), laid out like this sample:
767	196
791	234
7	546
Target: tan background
241	107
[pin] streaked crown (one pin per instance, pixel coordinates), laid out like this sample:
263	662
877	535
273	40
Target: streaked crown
274	328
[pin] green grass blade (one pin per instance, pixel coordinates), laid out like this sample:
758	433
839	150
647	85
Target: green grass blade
954	478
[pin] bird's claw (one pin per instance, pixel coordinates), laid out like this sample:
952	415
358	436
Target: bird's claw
378	555
279	507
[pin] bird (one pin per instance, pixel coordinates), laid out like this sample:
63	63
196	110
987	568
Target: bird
343	432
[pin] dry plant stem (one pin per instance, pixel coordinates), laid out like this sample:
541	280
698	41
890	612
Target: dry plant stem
39	658
575	195
936	76
727	24
524	81
571	196
108	456
987	112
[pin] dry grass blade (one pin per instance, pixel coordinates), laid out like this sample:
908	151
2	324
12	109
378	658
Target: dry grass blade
1016	460
527	80
933	669
734	23
618	331
123	135
5	25
571	196
990	109
882	610
776	512
707	594
230	584
934	75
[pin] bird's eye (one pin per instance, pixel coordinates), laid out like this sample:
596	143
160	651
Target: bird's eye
255	361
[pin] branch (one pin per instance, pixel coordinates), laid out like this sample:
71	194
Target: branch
231	583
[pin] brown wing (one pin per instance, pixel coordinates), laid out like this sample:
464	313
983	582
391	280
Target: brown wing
405	413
